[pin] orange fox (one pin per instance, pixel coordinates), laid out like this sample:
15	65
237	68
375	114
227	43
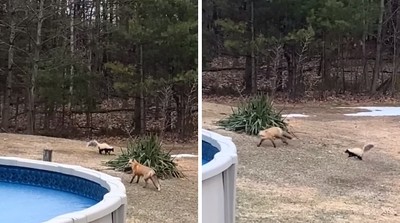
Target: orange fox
274	133
147	173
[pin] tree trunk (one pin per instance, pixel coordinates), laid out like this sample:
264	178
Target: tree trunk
378	49
96	39
165	101
111	6
342	64
89	123
253	59
179	113
47	115
395	35
326	64
16	112
248	75
291	73
7	96
137	119
140	115
394	62
364	51
142	104
36	57
89	67
275	62
72	49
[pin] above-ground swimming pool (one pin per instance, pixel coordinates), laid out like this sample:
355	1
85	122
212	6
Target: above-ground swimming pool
219	166
35	191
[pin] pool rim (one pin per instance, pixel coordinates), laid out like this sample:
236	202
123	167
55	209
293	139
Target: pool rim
111	202
223	159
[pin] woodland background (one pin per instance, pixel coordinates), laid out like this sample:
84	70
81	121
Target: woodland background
82	68
301	50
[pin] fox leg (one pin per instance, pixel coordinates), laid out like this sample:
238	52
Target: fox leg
133	178
284	141
287	135
259	144
154	183
138	178
145	180
272	143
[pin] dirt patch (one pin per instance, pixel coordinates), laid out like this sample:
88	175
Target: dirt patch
144	204
311	179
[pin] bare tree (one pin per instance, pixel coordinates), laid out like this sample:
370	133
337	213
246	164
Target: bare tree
253	57
277	53
142	104
36	58
364	51
165	98
187	124
396	29
72	49
378	49
7	96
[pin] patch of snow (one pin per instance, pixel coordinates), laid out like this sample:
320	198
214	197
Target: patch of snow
346	107
295	116
183	155
377	111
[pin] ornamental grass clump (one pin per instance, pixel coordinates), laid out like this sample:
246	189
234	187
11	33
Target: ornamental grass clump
254	115
147	151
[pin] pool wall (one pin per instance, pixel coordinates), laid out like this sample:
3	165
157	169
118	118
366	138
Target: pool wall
111	207
219	180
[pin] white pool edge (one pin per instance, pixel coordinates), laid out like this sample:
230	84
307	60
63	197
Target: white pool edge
111	209
219	178
222	160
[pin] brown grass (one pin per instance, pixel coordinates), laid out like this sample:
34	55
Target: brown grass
311	179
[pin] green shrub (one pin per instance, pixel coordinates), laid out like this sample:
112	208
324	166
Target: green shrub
254	115
147	151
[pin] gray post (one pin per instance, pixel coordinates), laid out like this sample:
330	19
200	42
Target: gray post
47	154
